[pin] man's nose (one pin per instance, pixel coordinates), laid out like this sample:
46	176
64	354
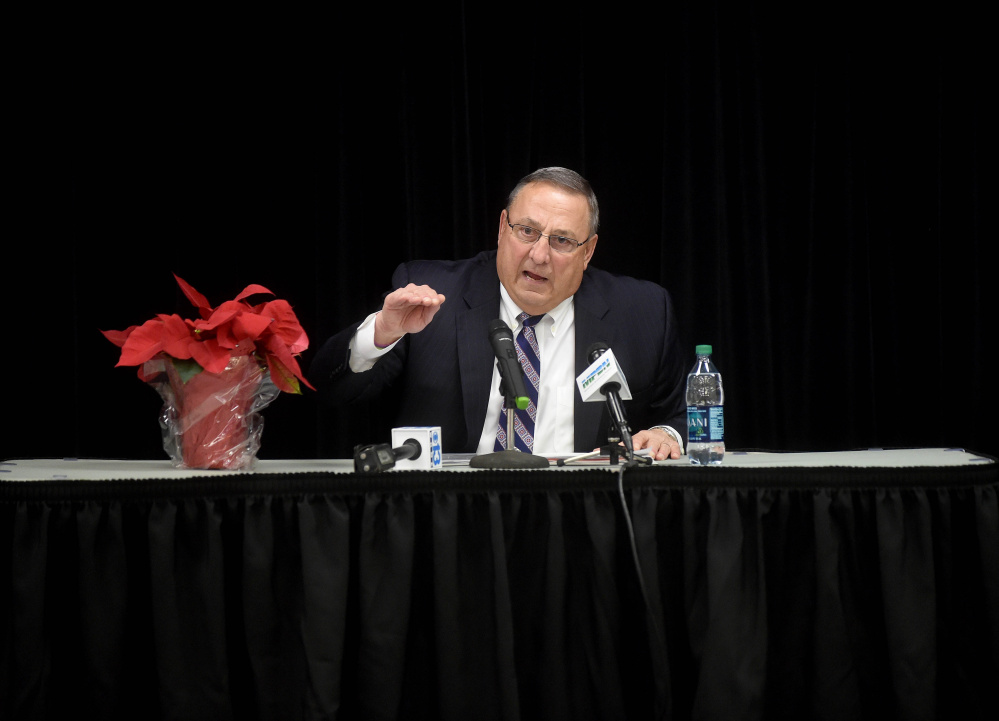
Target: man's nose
541	250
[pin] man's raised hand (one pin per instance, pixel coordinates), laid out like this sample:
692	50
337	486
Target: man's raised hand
406	310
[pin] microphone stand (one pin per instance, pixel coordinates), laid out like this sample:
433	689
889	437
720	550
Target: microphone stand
511	457
616	449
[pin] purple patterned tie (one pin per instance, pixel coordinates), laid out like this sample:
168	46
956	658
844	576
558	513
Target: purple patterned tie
530	359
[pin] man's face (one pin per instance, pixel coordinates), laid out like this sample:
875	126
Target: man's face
536	277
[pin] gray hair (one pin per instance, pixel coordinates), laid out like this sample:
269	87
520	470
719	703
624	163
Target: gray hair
566	179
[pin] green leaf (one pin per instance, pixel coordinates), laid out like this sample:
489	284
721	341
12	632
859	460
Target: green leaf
186	369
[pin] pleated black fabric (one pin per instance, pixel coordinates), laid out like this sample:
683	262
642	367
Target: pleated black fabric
761	595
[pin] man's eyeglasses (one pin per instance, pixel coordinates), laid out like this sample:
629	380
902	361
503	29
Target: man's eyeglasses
558	243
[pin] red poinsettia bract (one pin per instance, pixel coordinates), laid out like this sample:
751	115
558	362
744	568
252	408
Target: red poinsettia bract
269	330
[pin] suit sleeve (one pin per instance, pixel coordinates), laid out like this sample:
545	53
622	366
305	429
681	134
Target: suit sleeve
654	364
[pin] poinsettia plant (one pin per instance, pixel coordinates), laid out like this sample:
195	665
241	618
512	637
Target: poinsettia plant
270	331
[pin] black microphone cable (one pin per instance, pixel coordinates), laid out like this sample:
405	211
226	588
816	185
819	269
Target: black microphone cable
657	648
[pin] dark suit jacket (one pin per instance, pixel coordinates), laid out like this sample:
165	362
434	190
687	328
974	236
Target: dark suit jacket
442	374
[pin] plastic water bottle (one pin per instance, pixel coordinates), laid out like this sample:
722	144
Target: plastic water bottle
705	411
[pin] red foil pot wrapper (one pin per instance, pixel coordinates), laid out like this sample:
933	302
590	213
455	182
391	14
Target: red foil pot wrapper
212	420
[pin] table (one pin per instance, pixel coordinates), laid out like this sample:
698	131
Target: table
851	585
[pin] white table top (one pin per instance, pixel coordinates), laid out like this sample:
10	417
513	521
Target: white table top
93	469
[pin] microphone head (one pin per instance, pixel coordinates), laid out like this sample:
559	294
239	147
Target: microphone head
596	349
511	372
498	329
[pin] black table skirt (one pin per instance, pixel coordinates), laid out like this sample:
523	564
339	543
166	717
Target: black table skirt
762	594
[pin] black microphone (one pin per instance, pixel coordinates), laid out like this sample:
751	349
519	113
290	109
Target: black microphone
511	371
611	392
381	456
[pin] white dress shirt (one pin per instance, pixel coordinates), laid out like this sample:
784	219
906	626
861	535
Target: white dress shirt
556	334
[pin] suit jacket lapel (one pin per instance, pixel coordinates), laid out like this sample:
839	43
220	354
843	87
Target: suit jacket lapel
480	306
590	308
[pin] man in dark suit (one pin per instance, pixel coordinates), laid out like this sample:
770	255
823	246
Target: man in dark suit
437	356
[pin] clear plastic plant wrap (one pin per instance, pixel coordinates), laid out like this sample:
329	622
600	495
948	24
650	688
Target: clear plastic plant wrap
211	420
216	374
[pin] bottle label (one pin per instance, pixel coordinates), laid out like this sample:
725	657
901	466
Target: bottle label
705	424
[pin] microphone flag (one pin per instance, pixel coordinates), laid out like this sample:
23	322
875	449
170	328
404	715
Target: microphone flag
598	374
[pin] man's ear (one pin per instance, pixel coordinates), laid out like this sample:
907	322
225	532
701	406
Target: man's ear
590	247
502	225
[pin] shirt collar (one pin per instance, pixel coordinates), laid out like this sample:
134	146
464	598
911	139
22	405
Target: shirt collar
561	315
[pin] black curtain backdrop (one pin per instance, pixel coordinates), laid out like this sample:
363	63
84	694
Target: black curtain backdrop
808	183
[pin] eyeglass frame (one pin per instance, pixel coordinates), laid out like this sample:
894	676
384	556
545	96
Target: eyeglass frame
514	226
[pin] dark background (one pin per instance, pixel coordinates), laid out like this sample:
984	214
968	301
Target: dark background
812	185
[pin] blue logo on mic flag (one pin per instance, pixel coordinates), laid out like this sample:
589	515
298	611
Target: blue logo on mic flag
435	448
594	374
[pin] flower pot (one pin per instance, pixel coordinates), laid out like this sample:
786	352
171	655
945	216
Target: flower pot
212	420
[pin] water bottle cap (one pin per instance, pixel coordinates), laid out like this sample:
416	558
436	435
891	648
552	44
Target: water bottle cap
703	350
